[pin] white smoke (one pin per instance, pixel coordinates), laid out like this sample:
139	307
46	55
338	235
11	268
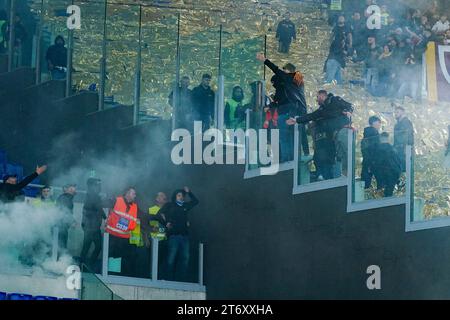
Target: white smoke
26	232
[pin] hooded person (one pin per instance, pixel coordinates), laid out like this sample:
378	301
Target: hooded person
232	107
290	93
177	223
57	59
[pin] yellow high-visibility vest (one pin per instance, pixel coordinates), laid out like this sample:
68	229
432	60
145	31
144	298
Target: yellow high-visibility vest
161	233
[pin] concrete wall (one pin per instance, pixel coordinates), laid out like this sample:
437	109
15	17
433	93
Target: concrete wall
144	293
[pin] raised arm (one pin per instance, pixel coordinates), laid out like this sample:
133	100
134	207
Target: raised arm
193	199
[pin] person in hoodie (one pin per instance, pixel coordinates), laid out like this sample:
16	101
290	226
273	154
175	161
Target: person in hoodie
369	145
65	204
291	102
232	118
57	59
177	224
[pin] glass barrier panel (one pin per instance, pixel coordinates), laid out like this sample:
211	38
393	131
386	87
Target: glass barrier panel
431	176
379	166
322	154
199	55
54	25
87	46
241	73
129	257
159	59
121	53
178	260
92	288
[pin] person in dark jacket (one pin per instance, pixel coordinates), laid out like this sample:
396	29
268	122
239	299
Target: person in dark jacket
57	59
386	165
286	33
93	215
65	204
335	63
203	99
369	145
10	189
177	224
183	106
291	102
334	118
403	135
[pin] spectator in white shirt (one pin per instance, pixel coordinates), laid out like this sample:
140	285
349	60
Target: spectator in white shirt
441	26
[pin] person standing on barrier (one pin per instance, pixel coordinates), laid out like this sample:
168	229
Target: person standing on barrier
291	101
177	223
403	135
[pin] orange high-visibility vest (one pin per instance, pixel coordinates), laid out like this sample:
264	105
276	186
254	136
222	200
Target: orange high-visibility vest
120	221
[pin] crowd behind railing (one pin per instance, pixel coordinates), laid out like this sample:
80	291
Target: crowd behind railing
130	227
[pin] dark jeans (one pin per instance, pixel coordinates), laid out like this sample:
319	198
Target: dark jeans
366	174
325	170
284	46
178	251
58	74
286	139
91	237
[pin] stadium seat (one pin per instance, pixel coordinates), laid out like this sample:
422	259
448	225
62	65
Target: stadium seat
44	298
3	295
19	296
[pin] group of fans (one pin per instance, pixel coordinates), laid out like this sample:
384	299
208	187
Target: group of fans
130	228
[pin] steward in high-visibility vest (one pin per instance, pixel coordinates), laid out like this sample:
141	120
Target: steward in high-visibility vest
157	229
122	218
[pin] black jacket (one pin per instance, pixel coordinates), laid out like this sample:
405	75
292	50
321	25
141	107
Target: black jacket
290	96
403	133
203	101
286	31
93	213
331	112
57	54
9	192
387	164
177	215
369	143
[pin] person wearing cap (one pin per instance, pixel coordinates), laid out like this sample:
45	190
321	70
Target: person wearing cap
65	203
177	224
203	99
93	215
10	189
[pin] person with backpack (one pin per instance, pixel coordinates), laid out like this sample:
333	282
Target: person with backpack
334	115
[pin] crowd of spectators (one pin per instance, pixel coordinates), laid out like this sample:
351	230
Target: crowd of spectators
392	55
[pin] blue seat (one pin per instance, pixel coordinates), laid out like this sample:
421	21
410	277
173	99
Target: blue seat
44	298
19	296
3	296
68	299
